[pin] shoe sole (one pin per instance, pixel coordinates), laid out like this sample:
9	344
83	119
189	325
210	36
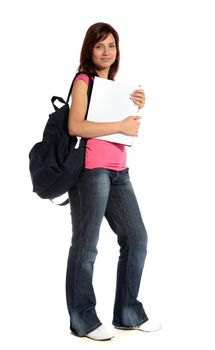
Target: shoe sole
105	339
137	329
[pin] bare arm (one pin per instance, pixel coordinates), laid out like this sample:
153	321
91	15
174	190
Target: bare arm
78	126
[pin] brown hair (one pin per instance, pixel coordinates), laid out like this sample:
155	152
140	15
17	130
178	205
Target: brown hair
98	32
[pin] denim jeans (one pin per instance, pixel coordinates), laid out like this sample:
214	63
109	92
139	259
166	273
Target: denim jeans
105	193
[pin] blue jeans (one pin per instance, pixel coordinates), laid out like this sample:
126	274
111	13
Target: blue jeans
102	192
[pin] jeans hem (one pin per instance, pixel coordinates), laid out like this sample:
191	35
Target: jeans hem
83	334
115	324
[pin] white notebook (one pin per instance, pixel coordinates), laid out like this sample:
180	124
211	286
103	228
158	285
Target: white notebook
110	102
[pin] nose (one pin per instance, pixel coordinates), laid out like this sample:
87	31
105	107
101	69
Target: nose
105	50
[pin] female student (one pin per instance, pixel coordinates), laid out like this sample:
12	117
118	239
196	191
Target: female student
104	190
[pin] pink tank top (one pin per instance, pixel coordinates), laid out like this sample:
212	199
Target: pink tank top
103	154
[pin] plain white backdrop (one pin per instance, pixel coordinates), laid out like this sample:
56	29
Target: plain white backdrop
168	47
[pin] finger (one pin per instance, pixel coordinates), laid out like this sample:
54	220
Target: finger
138	98
138	93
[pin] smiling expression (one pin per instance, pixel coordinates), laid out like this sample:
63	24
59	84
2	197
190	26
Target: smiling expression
104	53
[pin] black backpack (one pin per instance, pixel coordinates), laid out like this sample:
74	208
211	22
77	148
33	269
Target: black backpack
56	162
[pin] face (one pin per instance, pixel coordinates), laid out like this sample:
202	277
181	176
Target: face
104	53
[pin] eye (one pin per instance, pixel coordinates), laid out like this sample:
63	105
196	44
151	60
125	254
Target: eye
98	46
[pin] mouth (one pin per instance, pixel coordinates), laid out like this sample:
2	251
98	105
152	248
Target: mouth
105	59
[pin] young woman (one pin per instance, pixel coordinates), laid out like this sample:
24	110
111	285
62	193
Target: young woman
104	190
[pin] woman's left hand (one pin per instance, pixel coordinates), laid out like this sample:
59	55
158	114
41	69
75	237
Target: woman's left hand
138	98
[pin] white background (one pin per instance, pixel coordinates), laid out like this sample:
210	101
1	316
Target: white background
169	47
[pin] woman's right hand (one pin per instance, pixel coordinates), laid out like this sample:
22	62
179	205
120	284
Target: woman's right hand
130	125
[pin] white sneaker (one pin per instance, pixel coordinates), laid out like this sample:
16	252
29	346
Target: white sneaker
101	333
149	326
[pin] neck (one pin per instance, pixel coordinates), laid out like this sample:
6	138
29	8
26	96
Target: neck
103	73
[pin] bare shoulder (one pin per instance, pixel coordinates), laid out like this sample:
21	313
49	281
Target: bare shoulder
79	87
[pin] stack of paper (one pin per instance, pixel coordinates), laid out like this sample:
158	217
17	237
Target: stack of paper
110	102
